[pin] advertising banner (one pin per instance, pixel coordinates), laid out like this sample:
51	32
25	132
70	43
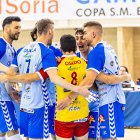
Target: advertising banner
70	9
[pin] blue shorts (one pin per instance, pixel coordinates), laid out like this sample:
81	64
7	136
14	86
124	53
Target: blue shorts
31	123
94	128
51	115
8	119
112	120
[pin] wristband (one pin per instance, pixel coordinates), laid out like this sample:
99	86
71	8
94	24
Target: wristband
43	75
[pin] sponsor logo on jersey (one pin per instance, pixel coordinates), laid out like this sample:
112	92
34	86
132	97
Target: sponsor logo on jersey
70	68
75	108
72	62
112	63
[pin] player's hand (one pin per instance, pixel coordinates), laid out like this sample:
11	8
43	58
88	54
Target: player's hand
63	103
84	90
4	78
129	77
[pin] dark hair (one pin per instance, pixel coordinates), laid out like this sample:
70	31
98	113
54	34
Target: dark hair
43	25
9	20
68	43
95	24
126	69
79	31
33	33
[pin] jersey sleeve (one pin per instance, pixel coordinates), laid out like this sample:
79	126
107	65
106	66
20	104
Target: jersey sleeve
2	50
42	74
48	59
56	51
15	62
96	59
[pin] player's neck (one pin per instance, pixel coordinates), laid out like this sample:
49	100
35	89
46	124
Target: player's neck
96	41
7	38
43	40
85	54
68	53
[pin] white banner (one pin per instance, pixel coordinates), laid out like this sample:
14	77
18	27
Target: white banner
70	9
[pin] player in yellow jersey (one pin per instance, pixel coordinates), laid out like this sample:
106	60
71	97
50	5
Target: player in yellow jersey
72	121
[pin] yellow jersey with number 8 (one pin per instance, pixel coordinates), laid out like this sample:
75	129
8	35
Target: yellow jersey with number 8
73	70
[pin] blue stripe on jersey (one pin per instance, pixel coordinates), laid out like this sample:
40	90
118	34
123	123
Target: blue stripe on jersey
48	57
78	54
7	54
2	47
96	58
14	62
56	51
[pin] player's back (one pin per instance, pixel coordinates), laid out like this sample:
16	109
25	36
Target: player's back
73	70
29	60
7	54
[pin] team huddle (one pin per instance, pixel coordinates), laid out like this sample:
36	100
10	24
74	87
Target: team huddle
67	93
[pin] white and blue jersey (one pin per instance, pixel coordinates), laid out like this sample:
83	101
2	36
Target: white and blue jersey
8	120
7	54
103	59
31	59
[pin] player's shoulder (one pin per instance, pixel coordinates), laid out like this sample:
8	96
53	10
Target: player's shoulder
98	50
99	47
3	43
44	48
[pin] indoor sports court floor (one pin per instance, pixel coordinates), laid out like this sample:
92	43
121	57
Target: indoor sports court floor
132	134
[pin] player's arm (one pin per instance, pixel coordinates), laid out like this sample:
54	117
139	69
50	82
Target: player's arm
50	66
113	79
22	78
25	78
87	82
3	68
53	75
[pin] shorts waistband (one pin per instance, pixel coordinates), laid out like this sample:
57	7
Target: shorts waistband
27	110
82	120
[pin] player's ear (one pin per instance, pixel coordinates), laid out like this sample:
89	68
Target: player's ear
94	35
6	28
49	31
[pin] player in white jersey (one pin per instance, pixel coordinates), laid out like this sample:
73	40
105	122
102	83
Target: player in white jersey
8	123
103	59
51	88
31	59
